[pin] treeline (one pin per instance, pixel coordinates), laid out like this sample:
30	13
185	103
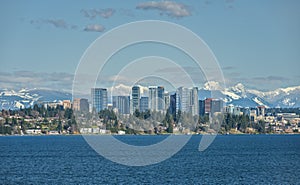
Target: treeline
274	111
63	120
50	118
239	123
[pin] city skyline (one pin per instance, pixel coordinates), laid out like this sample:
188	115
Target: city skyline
42	42
157	99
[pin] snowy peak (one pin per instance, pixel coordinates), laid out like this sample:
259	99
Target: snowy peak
212	86
11	99
242	96
238	88
238	95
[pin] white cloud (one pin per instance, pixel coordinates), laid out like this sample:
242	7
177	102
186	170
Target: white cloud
58	23
30	79
170	8
94	28
92	13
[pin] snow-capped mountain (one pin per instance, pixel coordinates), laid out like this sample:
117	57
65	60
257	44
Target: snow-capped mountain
237	95
241	96
11	99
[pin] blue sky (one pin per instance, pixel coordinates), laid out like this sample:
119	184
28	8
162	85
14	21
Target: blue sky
256	42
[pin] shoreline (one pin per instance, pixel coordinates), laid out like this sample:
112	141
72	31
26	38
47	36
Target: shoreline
239	134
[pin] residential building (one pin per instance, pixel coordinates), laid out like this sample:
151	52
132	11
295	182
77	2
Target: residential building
67	104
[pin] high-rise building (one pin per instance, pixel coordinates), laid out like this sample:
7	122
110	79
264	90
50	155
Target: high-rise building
207	103
187	100
161	100
182	99
172	108
144	104
153	98
216	106
99	99
201	107
135	96
81	104
156	98
122	103
194	107
166	101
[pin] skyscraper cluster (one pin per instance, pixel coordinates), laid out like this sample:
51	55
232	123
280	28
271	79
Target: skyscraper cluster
184	100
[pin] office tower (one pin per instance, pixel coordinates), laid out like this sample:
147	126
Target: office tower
122	103
160	97
156	98
201	107
135	96
207	103
187	100
216	106
99	99
81	104
166	101
182	100
153	98
172	108
144	104
193	101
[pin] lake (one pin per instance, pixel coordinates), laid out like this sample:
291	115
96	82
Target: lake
230	159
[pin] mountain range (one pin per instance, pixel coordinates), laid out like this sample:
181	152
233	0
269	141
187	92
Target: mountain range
237	95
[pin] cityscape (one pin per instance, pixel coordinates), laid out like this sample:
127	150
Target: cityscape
150	92
179	112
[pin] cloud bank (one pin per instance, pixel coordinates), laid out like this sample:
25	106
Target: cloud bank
172	9
94	28
57	23
93	13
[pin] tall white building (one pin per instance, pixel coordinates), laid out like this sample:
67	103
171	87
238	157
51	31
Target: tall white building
187	100
135	98
166	100
153	98
99	99
156	98
194	103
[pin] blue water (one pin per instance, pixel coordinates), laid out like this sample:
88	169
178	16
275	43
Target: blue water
233	159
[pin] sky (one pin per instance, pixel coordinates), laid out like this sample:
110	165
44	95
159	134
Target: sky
257	43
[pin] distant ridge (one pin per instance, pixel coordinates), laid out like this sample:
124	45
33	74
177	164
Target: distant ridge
237	95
